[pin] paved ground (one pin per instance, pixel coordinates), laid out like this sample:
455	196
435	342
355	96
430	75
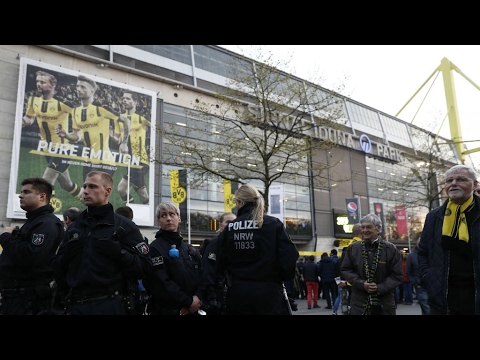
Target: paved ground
303	309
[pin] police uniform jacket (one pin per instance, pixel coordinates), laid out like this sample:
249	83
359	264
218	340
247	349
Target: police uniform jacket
388	275
26	257
91	273
249	253
174	280
213	282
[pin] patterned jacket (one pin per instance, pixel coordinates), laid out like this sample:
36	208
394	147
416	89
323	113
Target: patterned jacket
388	276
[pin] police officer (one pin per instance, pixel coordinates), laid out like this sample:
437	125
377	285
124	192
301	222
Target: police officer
214	293
26	278
138	297
100	254
175	286
257	255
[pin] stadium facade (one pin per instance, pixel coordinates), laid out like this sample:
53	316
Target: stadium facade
373	148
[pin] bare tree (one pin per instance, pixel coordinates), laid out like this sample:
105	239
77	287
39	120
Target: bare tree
423	188
263	125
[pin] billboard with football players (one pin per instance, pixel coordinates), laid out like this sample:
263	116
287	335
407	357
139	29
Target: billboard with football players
69	123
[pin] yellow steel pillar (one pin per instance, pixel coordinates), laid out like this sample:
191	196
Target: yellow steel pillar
446	68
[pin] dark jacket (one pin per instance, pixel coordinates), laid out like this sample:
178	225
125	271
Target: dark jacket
433	259
326	267
413	273
27	253
214	283
174	280
248	253
311	271
334	258
388	276
92	272
204	245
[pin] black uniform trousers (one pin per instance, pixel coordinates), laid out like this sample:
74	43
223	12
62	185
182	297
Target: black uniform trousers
255	298
32	300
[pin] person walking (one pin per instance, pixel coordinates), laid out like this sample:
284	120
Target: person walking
26	273
449	251
414	277
100	254
175	286
311	273
257	255
326	269
374	268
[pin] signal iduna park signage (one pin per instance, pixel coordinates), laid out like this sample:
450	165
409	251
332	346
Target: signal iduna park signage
362	143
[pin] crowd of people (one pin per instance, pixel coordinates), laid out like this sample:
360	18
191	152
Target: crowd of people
441	272
348	273
97	262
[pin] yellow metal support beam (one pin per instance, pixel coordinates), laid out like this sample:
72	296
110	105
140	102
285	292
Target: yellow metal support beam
446	67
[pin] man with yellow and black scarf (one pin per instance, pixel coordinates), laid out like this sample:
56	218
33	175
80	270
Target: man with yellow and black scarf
449	251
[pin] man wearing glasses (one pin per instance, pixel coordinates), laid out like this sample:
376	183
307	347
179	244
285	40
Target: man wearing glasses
449	251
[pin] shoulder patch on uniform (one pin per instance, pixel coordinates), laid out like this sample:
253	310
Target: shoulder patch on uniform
142	248
157	260
212	256
38	239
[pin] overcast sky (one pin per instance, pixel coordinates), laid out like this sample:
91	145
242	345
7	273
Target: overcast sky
385	77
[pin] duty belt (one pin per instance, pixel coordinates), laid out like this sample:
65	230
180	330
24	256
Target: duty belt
87	298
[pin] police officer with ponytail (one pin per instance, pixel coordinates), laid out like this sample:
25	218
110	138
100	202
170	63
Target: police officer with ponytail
257	256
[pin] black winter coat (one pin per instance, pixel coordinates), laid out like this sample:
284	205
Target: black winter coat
311	271
326	267
174	280
434	260
248	253
214	282
90	271
27	254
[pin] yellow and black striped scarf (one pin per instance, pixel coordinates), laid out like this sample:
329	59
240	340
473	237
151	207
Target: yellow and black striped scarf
455	222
